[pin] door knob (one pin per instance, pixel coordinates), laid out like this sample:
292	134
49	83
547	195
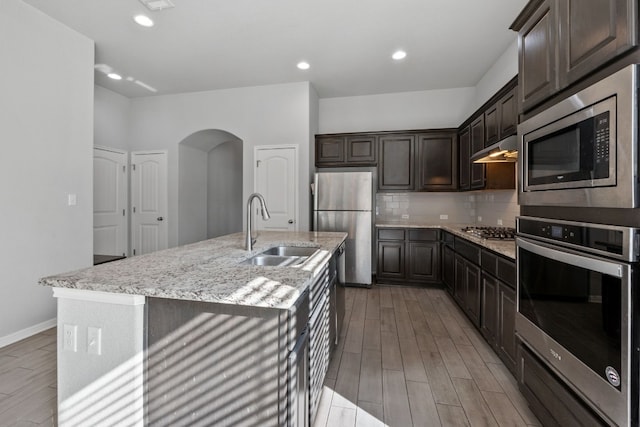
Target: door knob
160	218
290	221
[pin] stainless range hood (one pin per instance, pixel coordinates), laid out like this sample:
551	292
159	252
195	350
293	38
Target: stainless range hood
505	150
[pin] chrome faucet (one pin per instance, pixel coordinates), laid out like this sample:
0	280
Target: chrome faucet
249	241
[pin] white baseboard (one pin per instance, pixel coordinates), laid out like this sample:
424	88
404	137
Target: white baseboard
27	332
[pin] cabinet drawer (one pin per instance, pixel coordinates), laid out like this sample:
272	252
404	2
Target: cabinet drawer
447	238
390	234
468	250
430	235
507	272
489	263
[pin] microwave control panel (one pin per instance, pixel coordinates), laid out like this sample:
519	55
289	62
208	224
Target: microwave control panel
601	145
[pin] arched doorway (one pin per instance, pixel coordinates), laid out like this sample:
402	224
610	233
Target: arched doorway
209	185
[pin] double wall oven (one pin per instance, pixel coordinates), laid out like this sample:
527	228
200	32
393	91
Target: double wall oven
577	280
576	291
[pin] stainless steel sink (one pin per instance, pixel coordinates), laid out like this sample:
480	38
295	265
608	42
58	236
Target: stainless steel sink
282	256
290	251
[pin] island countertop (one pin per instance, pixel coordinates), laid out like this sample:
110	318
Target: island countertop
210	271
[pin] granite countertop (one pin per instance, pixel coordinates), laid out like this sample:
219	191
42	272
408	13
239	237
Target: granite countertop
506	248
209	271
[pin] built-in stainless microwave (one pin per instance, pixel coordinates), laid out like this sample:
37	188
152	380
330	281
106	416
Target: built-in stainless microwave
583	150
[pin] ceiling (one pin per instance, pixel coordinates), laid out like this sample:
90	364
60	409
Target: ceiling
213	44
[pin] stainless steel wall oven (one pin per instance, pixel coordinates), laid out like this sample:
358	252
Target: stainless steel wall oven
583	150
577	306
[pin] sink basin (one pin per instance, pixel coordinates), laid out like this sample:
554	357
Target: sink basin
275	260
282	256
290	251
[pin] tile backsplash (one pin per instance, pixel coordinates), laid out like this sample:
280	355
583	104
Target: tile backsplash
488	208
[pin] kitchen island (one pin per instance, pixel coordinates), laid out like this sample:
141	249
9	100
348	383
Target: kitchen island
186	336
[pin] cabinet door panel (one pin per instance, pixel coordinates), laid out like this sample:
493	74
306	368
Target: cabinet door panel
448	268
477	144
508	114
437	162
396	162
506	336
329	150
473	292
492	133
489	308
423	261
464	163
537	63
593	32
361	149
391	260
460	282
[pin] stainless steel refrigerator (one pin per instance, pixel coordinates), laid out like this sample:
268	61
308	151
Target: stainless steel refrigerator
343	202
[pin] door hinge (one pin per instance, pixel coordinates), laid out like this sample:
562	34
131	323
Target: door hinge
134	251
133	165
134	209
124	168
123	214
258	163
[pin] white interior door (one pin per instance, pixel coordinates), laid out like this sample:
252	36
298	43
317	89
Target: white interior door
149	201
110	229
276	178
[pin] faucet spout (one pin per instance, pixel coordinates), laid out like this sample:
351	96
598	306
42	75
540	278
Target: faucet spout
249	240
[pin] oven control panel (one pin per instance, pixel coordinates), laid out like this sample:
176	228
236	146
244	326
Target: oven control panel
615	241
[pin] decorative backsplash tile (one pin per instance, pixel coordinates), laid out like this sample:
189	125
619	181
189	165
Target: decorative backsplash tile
491	208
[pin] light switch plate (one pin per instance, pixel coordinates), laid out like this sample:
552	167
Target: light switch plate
444	216
94	340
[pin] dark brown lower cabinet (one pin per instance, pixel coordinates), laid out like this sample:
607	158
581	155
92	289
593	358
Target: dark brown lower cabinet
506	340
391	260
489	308
448	268
408	256
467	289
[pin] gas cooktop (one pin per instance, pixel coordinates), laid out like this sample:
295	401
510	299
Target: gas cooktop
493	233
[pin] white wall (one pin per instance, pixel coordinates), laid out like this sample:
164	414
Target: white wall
431	109
503	70
224	197
46	129
260	115
111	119
192	194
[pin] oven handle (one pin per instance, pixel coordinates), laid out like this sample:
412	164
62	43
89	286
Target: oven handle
573	258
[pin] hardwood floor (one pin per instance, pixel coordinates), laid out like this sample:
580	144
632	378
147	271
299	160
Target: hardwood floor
28	394
409	357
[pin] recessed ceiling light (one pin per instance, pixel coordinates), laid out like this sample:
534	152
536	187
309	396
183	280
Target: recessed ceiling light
399	54
303	65
114	76
143	20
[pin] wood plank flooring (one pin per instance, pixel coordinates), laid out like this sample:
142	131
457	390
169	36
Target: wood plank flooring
407	357
28	395
410	357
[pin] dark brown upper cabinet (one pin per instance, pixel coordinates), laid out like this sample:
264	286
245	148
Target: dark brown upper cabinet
508	114
396	170
477	144
491	128
562	41
592	32
345	150
437	161
536	55
329	150
464	164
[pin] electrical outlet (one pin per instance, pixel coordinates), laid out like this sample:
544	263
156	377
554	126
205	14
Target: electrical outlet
444	216
70	337
94	340
405	216
499	222
479	218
